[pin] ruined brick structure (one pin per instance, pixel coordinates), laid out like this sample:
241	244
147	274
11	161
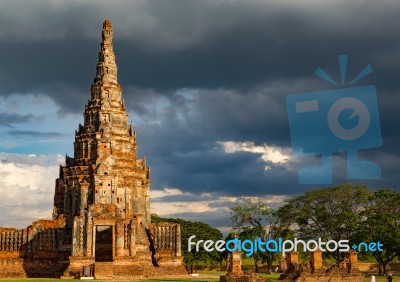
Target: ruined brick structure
101	217
235	273
316	271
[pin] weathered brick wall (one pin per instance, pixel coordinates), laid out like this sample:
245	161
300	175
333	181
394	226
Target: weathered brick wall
23	268
48	268
76	265
12	268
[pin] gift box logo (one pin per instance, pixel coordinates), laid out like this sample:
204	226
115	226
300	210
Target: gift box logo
326	122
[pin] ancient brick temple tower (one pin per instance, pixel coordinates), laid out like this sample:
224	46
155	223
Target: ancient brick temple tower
101	219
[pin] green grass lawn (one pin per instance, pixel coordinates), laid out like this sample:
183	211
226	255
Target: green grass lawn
205	276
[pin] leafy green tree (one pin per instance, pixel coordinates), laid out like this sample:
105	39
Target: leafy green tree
253	219
382	223
334	213
202	231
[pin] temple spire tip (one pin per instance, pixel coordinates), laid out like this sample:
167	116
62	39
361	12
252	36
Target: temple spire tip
106	70
107	25
107	31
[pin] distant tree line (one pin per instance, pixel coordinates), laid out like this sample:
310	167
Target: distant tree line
344	212
349	212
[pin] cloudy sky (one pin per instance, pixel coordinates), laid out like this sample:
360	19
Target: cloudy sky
205	83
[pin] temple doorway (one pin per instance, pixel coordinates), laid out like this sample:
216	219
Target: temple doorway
104	243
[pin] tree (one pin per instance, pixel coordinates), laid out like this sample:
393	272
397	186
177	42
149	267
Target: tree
334	213
382	223
253	219
202	231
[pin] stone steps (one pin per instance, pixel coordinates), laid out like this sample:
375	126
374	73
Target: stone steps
109	270
103	270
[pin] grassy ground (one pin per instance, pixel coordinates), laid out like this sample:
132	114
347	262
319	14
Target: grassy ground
204	276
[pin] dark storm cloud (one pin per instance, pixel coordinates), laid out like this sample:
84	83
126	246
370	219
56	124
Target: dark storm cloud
201	165
199	44
184	198
221	204
189	147
198	72
8	120
32	133
265	42
55	69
